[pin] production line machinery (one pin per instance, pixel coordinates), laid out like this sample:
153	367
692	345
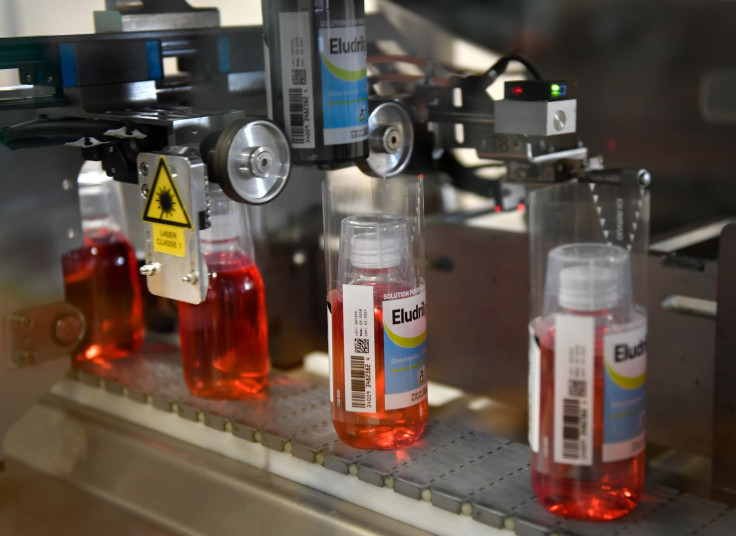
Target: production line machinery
110	96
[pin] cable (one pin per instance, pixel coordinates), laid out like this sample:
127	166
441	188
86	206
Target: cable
498	68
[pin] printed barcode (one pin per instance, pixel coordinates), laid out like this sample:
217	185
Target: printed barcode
577	388
298	77
571	429
357	381
362	346
296	115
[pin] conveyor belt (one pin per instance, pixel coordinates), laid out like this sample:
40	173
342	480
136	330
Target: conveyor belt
466	472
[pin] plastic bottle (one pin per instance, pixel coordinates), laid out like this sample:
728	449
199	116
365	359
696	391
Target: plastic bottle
317	87
378	362
224	339
587	386
101	277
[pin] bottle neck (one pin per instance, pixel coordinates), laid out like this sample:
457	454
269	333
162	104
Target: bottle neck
220	245
92	224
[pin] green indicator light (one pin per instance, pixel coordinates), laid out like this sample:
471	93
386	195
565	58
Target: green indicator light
555	90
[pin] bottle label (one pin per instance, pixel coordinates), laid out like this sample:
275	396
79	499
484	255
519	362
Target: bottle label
343	54
574	386
625	358
329	349
359	348
405	350
535	357
295	42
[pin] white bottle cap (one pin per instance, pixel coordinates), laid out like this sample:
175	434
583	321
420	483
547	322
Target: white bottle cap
375	242
369	251
588	288
588	277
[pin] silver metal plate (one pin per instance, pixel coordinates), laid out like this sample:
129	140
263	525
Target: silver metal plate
173	197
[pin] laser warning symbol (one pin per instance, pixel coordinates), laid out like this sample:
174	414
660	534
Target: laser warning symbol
164	204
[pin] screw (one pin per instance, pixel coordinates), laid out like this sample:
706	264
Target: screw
23	321
26	358
67	329
149	269
559	120
190	278
71	233
49	79
143	169
29	78
392	139
261	161
111	149
144	191
644	178
66	185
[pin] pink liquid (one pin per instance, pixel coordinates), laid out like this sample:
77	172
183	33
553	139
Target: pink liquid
600	492
101	279
224	340
384	429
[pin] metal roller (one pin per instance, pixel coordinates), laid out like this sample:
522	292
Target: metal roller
252	161
391	140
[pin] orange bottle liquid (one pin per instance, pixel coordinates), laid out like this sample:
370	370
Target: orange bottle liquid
597	492
378	362
224	340
587	386
381	429
101	277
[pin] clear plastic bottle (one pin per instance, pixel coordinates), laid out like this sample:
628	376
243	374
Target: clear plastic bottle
379	354
224	339
101	277
587	386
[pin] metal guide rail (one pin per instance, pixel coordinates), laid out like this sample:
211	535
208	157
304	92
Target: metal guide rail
467	472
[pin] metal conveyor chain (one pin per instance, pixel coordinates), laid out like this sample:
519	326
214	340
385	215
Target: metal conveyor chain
463	471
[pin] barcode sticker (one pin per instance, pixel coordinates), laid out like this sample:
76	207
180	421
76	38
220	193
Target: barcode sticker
296	67
535	357
359	348
574	386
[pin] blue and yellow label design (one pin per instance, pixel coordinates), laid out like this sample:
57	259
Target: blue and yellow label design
625	358
343	53
405	350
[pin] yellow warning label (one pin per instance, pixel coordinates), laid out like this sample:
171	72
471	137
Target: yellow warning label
164	204
169	239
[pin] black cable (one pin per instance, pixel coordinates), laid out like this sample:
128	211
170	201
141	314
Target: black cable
498	68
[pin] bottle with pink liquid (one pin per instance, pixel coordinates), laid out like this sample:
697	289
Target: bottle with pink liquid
224	339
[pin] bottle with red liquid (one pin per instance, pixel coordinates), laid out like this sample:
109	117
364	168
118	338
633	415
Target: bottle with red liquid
101	277
587	386
224	339
379	353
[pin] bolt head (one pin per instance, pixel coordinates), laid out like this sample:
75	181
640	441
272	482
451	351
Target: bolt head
68	329
559	120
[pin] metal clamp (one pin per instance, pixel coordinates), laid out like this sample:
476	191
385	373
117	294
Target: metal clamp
43	333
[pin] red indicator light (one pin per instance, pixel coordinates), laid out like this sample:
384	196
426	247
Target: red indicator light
517	91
